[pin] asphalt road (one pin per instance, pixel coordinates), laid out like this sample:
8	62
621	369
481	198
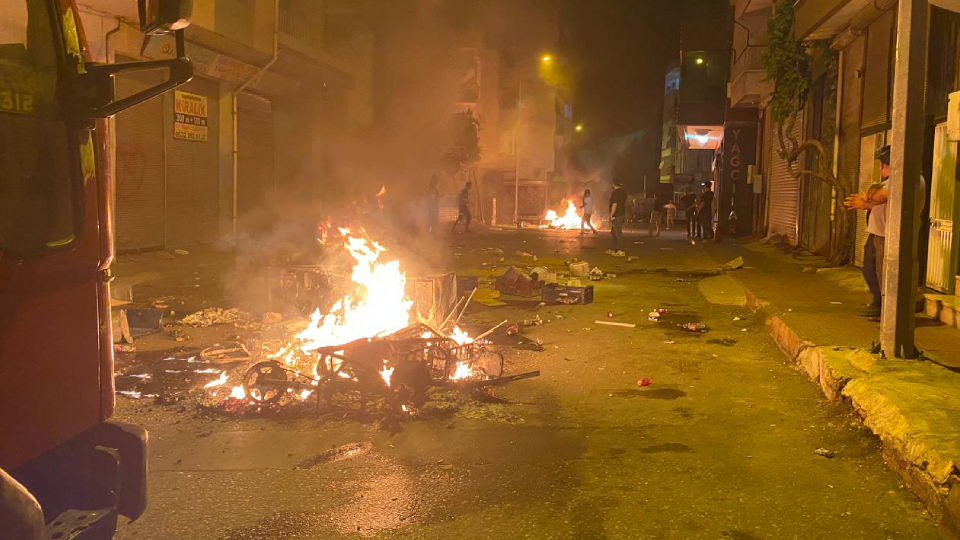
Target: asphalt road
720	445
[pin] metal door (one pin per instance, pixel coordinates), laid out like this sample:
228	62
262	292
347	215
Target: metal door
939	272
783	198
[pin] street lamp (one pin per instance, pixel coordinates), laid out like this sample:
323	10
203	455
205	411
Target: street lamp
578	127
545	60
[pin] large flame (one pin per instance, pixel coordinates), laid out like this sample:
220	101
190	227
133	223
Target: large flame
570	219
377	306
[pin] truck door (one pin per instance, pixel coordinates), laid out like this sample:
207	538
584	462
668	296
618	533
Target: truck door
50	370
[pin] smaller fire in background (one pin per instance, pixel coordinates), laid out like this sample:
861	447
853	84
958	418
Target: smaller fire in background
570	220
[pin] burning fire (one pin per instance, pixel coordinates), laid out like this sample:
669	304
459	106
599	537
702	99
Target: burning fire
570	220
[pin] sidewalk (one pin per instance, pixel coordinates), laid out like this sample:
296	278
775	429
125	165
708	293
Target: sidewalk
913	406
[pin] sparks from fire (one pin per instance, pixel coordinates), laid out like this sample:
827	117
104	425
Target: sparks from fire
570	220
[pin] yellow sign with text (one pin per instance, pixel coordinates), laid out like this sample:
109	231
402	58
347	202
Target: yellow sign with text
190	116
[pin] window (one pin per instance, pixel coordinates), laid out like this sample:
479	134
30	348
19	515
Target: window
38	194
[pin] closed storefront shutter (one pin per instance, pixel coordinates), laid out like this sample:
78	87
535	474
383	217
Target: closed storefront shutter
849	158
140	174
193	173
784	194
877	72
868	174
255	163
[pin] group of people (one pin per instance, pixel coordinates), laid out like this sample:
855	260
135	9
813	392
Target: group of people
699	212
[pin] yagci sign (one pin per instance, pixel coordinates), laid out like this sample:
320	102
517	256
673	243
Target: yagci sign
190	116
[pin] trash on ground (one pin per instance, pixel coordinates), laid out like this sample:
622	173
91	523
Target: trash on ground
693	327
734	264
644	382
181	252
611	276
271	317
612	323
488	297
233	352
515	282
536	321
609	314
212	316
567	294
668	342
543	275
736	318
837	303
527	255
513	330
679	280
632	258
120	348
653	316
824	452
580	269
596	271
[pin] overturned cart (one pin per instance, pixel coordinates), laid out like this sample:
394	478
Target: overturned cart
396	370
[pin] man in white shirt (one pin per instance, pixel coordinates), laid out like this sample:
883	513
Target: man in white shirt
875	202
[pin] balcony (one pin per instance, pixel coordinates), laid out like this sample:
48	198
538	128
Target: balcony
822	19
751	7
747	84
304	27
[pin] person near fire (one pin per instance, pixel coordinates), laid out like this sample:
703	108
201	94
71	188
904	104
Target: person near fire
587	206
618	213
671	212
463	207
660	201
433	203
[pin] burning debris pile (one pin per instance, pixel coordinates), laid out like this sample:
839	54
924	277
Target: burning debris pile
365	346
572	219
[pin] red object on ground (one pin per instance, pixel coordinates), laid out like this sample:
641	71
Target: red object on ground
644	382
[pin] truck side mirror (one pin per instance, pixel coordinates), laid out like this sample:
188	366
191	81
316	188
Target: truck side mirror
164	16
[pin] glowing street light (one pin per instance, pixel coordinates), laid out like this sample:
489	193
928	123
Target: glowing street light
699	61
578	127
546	58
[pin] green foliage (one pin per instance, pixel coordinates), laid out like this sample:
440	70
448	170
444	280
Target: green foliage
464	149
787	64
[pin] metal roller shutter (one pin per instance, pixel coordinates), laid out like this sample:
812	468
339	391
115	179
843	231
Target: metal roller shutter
193	173
878	72
784	194
868	175
140	173
849	158
255	160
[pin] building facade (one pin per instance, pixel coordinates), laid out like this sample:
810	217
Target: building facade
219	156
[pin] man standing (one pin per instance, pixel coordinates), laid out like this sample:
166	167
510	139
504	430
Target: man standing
874	201
433	203
660	201
689	202
618	213
463	207
587	207
705	212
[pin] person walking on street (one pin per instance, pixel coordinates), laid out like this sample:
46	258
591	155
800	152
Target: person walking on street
671	210
660	201
618	213
587	207
705	212
433	203
463	207
689	202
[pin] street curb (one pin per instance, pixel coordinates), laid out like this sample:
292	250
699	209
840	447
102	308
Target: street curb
941	499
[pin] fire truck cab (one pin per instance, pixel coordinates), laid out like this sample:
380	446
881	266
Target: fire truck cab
66	470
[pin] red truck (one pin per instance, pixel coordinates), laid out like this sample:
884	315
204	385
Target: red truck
66	470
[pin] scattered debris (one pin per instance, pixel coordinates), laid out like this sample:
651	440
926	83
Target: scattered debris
536	321
271	317
653	316
543	275
580	269
120	348
212	316
609	314
181	252
693	327
513	330
733	265
837	303
517	283
488	297
567	294
668	342
612	323
736	318
824	453
632	258
644	382
235	352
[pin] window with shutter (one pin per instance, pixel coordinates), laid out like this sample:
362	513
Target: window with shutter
878	72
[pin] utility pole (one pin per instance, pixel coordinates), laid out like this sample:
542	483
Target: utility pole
516	151
901	270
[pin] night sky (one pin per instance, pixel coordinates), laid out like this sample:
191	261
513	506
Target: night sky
619	51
